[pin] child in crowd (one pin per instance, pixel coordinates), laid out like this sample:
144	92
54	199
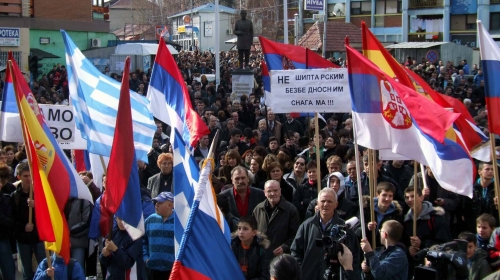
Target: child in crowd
59	270
485	224
249	247
476	257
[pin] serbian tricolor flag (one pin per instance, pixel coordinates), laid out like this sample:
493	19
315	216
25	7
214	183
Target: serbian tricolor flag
280	56
170	101
204	252
123	195
10	125
54	178
490	56
388	115
464	131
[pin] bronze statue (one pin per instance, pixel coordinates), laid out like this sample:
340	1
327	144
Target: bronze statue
244	30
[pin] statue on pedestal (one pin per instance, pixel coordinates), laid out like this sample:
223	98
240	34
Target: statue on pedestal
244	30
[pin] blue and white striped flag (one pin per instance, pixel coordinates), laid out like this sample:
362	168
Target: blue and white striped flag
95	97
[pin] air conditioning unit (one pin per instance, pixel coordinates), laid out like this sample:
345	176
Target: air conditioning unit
230	31
96	42
318	17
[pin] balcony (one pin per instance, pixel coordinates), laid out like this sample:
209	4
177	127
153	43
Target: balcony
425	37
11	7
417	4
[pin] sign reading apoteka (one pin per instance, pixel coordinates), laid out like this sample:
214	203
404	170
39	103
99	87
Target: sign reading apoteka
310	90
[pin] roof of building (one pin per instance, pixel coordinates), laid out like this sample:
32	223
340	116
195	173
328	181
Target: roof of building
120	4
207	8
415	45
337	31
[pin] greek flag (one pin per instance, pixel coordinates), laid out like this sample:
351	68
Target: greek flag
95	97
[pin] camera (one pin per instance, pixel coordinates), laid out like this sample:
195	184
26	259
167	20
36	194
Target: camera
331	242
448	261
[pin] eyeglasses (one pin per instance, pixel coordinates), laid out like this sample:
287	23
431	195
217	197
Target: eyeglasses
300	163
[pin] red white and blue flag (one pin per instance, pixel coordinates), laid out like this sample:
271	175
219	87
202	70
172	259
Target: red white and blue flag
123	196
490	56
388	115
204	252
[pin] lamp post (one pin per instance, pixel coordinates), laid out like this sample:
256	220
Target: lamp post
285	21
325	20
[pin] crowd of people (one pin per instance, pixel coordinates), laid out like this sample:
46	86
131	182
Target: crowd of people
266	181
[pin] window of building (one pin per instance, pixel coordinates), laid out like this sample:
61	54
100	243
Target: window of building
361	8
470	23
388	7
495	21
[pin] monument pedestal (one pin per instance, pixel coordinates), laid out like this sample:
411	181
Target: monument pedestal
243	82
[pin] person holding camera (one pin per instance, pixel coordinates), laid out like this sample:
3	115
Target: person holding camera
305	248
390	261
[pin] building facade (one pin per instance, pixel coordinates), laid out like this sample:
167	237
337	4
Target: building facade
39	22
197	26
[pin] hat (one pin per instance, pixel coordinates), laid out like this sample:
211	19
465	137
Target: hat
164	196
341	179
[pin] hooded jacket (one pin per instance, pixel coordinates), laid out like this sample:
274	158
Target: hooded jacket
394	212
432	228
257	260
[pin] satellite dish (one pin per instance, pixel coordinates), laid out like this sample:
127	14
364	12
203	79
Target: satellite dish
339	9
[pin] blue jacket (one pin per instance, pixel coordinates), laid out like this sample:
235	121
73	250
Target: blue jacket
158	245
390	263
60	270
129	253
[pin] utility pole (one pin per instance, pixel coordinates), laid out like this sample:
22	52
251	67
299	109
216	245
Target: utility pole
285	21
325	20
296	28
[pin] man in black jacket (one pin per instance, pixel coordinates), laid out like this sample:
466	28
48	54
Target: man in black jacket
242	198
277	218
7	266
304	248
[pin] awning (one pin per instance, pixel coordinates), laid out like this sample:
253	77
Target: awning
415	45
43	54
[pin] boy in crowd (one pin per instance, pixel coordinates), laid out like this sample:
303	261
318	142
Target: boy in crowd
485	224
59	270
390	261
476	257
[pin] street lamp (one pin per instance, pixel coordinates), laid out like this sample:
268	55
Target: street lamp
296	28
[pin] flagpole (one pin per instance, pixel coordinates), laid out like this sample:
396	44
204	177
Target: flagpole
318	156
415	178
374	189
358	180
370	186
495	168
212	147
47	255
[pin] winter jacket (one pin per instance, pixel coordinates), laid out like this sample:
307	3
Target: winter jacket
287	191
479	266
309	255
19	202
256	258
148	207
477	205
292	181
129	253
78	212
390	263
394	212
451	200
256	196
60	270
94	190
431	226
281	226
303	196
6	217
494	249
155	181
402	175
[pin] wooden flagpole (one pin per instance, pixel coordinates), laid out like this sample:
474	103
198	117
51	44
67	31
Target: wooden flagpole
318	155
370	186
358	181
373	179
415	185
47	255
495	168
